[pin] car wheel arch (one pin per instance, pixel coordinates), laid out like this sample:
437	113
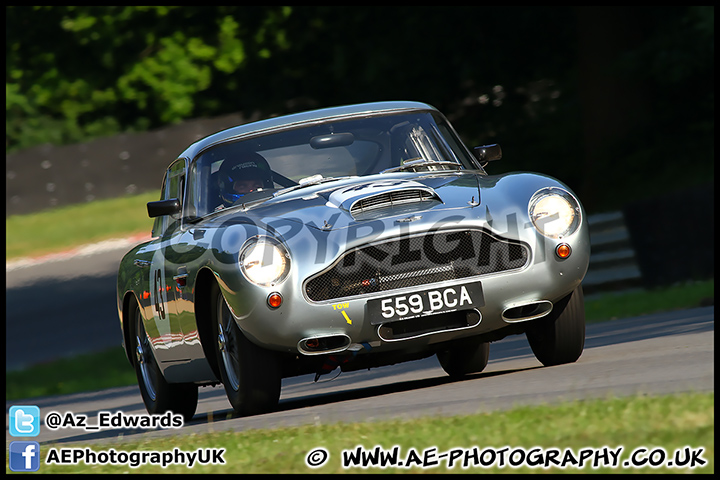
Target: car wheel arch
204	282
128	324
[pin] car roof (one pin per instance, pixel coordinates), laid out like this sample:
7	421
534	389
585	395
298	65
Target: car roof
299	118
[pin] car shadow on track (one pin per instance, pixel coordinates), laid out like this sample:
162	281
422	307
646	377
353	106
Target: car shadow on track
350	394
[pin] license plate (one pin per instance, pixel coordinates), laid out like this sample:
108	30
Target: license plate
427	302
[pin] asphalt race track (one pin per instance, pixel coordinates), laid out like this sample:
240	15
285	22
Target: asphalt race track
62	306
54	309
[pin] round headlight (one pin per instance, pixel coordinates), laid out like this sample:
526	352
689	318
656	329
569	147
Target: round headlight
264	261
554	212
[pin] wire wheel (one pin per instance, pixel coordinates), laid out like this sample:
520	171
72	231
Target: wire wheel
249	373
145	359
158	395
228	343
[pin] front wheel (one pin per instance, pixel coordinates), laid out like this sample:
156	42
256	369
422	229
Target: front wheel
465	356
249	373
559	337
158	395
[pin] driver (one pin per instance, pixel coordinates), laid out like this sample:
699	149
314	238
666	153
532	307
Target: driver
250	174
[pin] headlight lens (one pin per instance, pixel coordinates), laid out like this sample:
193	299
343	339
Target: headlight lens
554	212
264	261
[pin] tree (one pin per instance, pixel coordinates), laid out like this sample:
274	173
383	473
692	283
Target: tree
578	93
76	72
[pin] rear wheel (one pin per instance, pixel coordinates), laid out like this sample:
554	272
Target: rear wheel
465	356
559	337
249	373
158	395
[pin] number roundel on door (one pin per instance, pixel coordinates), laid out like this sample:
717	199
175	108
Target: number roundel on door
158	290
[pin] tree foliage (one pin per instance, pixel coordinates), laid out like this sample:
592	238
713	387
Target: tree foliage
507	74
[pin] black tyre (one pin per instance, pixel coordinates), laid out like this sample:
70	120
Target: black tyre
250	373
158	395
559	337
465	356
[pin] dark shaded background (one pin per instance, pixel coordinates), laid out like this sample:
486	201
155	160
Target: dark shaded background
617	102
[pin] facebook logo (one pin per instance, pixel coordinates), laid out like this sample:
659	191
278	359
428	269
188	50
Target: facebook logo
24	421
24	456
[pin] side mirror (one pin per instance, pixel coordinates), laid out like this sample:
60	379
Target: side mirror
487	153
164	207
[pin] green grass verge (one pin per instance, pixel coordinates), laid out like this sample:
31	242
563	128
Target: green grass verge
82	373
62	228
611	306
111	369
662	425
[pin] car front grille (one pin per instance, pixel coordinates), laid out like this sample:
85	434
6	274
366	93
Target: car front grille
416	260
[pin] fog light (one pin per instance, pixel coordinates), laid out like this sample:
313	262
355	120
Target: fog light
274	300
563	250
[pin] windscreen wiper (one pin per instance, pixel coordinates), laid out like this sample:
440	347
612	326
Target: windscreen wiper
309	181
421	163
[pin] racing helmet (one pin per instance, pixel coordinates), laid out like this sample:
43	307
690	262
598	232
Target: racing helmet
251	173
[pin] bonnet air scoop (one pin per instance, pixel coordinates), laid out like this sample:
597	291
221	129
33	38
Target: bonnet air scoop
379	198
388	200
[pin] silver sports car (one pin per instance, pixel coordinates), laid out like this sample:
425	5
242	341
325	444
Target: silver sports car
350	237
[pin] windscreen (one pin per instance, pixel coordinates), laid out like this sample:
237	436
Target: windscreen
328	149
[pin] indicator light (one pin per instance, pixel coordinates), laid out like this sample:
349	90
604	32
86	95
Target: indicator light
563	250
274	300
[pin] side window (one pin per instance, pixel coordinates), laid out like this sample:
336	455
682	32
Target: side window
173	187
160	222
199	200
